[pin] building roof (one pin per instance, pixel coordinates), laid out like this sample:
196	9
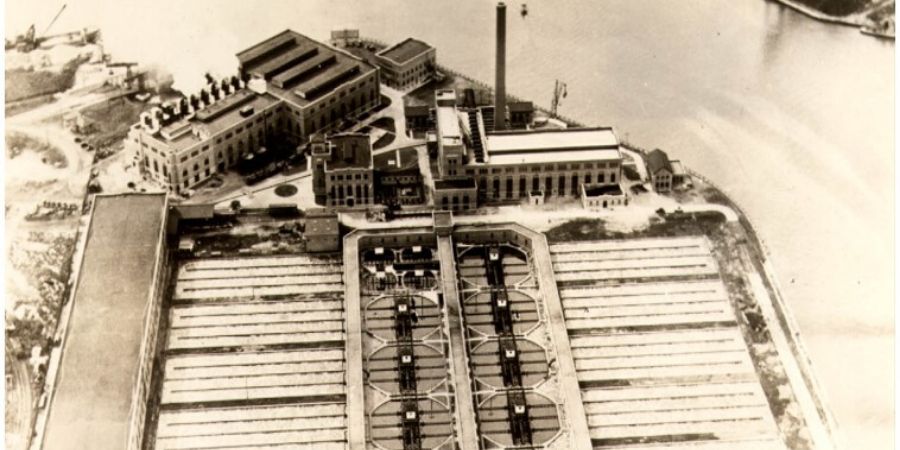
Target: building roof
322	223
405	50
542	146
217	117
658	160
197	211
416	110
301	69
397	160
448	128
92	401
520	107
360	156
606	189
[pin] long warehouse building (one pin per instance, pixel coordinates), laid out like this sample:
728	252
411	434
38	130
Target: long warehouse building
101	386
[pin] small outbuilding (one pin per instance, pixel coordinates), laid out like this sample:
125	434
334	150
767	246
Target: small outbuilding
322	231
659	168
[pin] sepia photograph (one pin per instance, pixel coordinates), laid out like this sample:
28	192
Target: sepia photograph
449	224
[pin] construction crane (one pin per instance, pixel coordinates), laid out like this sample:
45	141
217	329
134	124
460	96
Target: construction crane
30	40
559	93
54	19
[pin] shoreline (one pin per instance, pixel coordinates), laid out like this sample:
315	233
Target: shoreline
785	320
818	15
859	23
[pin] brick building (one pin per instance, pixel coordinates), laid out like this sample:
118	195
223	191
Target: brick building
513	165
289	87
343	170
407	64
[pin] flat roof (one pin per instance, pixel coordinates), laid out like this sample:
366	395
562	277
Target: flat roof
272	44
405	50
100	359
223	119
302	70
293	56
319	225
448	125
309	72
609	189
573	144
329	75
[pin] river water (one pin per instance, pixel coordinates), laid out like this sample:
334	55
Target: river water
792	117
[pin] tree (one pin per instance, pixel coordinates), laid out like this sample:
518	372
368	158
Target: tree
235	205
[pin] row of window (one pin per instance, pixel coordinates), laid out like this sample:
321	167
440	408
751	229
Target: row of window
537	168
546	184
357	176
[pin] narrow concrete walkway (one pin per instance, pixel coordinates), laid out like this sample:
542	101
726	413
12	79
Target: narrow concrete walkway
568	379
466	426
356	401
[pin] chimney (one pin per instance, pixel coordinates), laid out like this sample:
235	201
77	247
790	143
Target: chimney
500	79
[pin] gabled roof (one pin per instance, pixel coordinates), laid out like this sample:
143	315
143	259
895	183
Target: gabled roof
657	160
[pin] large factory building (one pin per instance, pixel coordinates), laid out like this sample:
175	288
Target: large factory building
290	87
476	166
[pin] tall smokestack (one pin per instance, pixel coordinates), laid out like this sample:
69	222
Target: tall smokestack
500	80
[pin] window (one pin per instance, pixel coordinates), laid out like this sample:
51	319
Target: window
587	179
228	136
612	177
183	158
561	186
509	187
522	186
600	178
535	184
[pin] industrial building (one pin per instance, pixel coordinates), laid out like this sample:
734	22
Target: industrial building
480	161
407	64
322	232
343	172
102	383
289	87
503	166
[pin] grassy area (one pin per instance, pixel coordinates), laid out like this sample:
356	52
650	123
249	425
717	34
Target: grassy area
27	105
111	121
23	84
675	224
385	123
16	143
